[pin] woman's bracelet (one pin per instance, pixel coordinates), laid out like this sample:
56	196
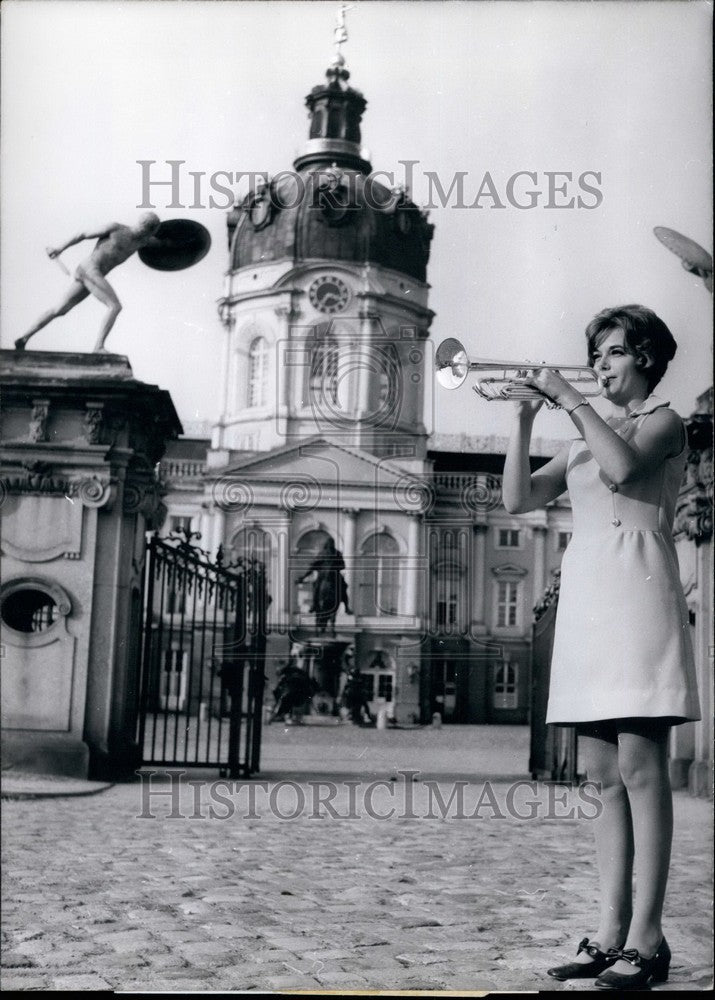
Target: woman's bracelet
582	403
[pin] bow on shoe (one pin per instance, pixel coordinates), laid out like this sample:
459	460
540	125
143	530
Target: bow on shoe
631	955
591	949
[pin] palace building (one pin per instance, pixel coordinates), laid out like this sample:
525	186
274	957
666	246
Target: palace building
328	368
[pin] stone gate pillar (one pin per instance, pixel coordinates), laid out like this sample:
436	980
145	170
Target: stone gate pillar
80	441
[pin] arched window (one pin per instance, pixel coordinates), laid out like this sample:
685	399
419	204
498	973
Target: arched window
316	124
324	371
258	372
378	590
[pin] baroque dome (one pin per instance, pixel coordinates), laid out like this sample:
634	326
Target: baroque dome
330	206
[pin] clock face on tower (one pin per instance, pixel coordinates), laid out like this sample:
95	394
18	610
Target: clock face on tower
329	294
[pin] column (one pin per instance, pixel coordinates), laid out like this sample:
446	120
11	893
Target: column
416	565
464	610
539	579
205	526
290	372
477	586
364	373
282	589
228	321
217	531
348	533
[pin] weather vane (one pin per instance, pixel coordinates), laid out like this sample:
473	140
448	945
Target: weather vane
341	32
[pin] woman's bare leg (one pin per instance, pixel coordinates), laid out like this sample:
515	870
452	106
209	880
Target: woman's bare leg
643	763
614	838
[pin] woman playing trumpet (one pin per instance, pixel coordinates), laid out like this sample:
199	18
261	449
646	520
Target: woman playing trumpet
622	668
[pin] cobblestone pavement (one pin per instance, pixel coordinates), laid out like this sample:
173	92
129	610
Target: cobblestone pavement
308	887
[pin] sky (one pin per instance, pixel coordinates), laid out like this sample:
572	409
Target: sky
620	92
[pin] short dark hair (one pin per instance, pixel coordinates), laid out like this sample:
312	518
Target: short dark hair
645	335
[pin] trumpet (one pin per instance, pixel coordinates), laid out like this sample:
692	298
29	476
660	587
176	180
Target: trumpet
452	366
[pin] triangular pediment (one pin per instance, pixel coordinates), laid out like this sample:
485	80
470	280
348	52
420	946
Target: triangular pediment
322	460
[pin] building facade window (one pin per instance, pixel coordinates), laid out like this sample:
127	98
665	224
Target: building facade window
258	372
384	686
447	584
174	681
505	693
508	538
379	576
507	603
449	592
379	679
324	372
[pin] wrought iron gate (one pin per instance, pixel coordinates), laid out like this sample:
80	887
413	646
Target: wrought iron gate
202	668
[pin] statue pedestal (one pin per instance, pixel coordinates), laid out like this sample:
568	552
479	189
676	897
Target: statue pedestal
78	491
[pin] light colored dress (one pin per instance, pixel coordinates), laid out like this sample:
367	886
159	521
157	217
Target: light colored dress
622	643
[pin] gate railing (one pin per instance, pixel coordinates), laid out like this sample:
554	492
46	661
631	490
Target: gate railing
203	657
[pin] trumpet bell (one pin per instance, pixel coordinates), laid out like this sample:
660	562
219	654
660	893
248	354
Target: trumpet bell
451	363
177	244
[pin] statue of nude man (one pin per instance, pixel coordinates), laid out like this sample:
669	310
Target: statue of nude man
115	244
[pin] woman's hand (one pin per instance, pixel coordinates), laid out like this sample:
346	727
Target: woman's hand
528	408
554	387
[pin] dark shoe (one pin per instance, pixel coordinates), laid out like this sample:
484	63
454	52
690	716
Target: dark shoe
583	970
653	969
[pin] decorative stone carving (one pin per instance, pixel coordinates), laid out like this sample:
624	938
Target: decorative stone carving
93	419
37	477
142	497
43	527
38	420
39	670
289	312
509	571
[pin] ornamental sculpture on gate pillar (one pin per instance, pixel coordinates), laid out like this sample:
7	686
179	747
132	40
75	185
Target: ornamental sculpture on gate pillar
165	246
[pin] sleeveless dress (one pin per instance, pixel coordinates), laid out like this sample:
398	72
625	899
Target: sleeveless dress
622	645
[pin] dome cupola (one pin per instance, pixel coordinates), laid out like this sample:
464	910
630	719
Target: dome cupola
335	114
330	206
